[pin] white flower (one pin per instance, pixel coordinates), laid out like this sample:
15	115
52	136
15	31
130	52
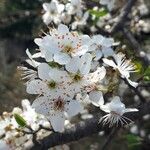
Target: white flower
115	110
61	45
74	7
101	46
89	87
57	110
27	73
125	67
29	113
109	3
80	65
53	81
92	87
80	21
53	11
65	18
79	68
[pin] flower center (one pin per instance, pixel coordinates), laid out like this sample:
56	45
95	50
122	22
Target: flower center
68	49
59	104
77	77
114	113
52	84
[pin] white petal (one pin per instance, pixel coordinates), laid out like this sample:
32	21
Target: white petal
107	42
59	75
134	84
36	55
131	110
107	51
98	75
96	98
63	29
86	63
48	56
73	65
98	54
62	58
85	39
46	6
60	8
28	53
102	72
83	49
57	122
38	41
40	105
116	105
105	108
47	18
36	87
43	71
109	63
73	108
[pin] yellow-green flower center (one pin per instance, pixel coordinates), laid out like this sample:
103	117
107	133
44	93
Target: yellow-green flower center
77	77
68	49
52	84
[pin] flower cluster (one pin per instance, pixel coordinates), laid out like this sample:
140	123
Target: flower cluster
71	12
71	75
58	12
11	135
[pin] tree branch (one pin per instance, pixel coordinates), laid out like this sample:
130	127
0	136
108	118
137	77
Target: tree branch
123	16
142	99
135	45
84	129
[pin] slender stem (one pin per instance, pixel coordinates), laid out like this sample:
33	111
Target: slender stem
109	138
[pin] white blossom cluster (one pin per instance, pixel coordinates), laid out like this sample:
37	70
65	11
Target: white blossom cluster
71	12
73	73
14	137
11	135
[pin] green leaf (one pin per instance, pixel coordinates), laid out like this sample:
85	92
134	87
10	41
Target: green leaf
20	120
98	13
54	64
139	67
133	141
147	74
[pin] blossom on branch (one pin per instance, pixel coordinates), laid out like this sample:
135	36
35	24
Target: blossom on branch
125	67
115	110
